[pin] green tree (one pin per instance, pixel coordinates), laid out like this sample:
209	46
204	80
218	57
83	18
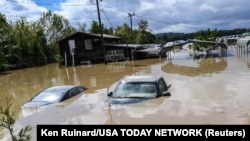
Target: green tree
26	45
3	31
108	31
142	25
82	27
124	33
21	47
55	27
207	35
95	28
39	45
143	36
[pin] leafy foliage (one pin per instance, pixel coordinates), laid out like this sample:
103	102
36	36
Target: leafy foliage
25	44
55	27
8	120
207	35
124	33
3	31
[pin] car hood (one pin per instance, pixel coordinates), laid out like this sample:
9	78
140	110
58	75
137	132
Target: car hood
37	104
125	100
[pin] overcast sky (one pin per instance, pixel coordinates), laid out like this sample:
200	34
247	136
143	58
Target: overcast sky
162	15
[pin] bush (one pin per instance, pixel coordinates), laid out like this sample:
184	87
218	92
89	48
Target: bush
7	120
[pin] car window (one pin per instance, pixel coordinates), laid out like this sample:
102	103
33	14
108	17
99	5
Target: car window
138	89
148	88
48	96
81	89
73	92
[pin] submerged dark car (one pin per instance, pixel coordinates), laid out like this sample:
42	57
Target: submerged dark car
133	89
54	94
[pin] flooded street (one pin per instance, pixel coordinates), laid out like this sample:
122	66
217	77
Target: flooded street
204	91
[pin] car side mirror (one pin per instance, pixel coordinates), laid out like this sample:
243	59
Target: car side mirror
169	86
110	94
166	93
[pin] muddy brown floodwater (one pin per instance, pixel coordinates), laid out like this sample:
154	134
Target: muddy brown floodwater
212	90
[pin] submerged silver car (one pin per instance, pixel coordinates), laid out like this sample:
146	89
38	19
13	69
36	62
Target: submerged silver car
54	94
133	89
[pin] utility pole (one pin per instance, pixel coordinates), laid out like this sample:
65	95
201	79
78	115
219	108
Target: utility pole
130	15
101	30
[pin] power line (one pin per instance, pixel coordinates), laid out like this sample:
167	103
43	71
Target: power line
152	19
166	22
119	10
92	3
107	18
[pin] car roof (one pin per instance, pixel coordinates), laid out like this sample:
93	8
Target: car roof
141	78
62	88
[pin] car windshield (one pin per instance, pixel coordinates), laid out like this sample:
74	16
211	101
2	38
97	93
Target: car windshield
135	89
48	97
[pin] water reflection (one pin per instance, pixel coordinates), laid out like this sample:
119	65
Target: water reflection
194	65
100	76
117	113
244	57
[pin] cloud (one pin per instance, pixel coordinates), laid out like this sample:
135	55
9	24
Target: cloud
162	15
15	10
205	7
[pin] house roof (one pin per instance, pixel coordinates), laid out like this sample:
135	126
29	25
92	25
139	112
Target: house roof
107	36
97	35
